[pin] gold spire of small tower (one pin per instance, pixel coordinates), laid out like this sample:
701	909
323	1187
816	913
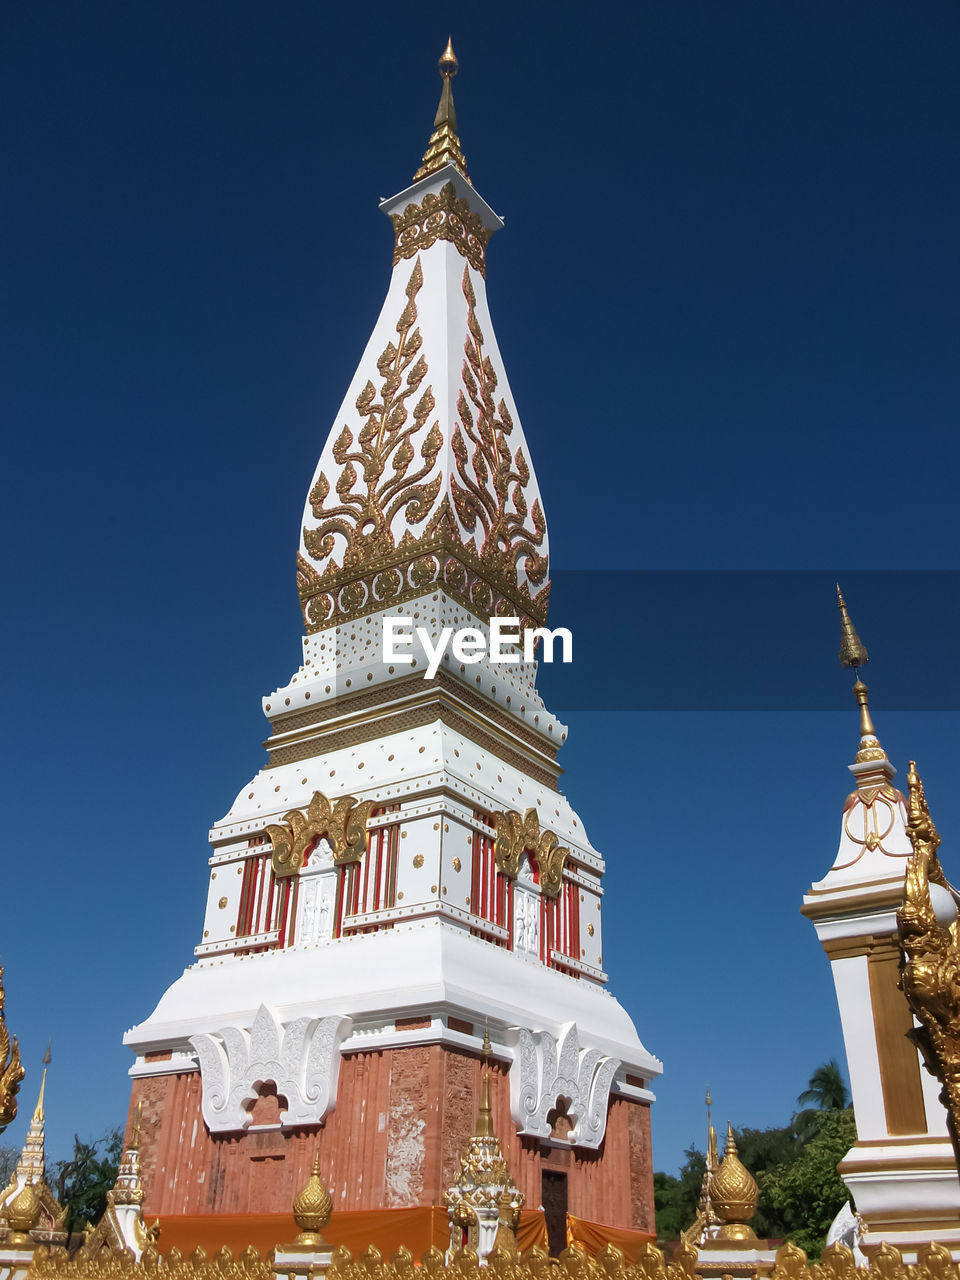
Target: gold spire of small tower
853	654
444	145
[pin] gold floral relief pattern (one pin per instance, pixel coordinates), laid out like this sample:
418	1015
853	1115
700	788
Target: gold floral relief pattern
343	823
441	216
489	493
376	479
473	545
519	834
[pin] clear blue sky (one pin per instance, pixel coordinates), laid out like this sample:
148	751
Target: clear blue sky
726	296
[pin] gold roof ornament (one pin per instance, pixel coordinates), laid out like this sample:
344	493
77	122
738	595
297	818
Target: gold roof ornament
11	1070
444	145
312	1209
930	955
733	1192
853	654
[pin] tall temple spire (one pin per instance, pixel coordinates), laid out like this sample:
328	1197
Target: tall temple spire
405	860
444	145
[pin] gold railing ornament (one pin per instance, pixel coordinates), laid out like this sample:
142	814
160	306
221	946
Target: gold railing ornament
343	822
733	1194
519	834
930	955
11	1070
312	1209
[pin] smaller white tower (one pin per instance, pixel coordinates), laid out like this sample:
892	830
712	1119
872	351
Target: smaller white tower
901	1171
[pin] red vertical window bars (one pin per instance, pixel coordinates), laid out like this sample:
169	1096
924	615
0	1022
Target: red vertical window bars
371	883
266	903
491	894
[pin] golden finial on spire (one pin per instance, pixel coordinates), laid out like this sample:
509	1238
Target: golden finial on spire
853	654
444	145
712	1160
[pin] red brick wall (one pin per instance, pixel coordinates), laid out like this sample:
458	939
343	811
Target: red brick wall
402	1120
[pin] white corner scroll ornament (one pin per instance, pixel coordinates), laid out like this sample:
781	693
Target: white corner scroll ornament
301	1058
546	1069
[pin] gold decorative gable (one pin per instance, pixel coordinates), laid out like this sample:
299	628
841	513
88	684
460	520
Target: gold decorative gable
480	542
342	822
517	835
11	1070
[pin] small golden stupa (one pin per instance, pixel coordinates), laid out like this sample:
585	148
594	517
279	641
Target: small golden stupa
733	1195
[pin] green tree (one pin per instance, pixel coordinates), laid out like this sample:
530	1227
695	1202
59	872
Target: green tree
676	1199
82	1183
8	1162
826	1089
807	1193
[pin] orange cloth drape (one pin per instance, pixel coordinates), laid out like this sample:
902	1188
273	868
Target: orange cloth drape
388	1229
592	1236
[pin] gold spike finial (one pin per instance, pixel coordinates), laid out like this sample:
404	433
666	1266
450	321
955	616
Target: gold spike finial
444	146
853	652
485	1114
38	1109
448	64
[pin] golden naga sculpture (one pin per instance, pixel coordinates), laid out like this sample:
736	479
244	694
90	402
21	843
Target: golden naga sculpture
930	955
343	822
518	835
11	1071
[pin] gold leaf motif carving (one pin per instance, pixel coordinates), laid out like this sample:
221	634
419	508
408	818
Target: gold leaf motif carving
441	215
380	478
517	835
343	823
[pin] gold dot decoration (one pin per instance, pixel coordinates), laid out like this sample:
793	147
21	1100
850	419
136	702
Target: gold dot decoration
418	860
457	864
590	930
222	903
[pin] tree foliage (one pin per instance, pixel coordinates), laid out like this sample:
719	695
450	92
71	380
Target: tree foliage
82	1182
807	1194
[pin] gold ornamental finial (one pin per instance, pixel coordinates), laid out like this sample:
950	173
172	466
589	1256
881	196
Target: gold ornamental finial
444	145
38	1109
312	1208
134	1143
853	652
733	1192
712	1160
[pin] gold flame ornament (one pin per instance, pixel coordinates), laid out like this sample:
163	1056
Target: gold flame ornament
11	1070
930	955
733	1194
312	1209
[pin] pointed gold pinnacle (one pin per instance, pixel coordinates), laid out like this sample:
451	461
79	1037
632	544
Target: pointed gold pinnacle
444	146
853	652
